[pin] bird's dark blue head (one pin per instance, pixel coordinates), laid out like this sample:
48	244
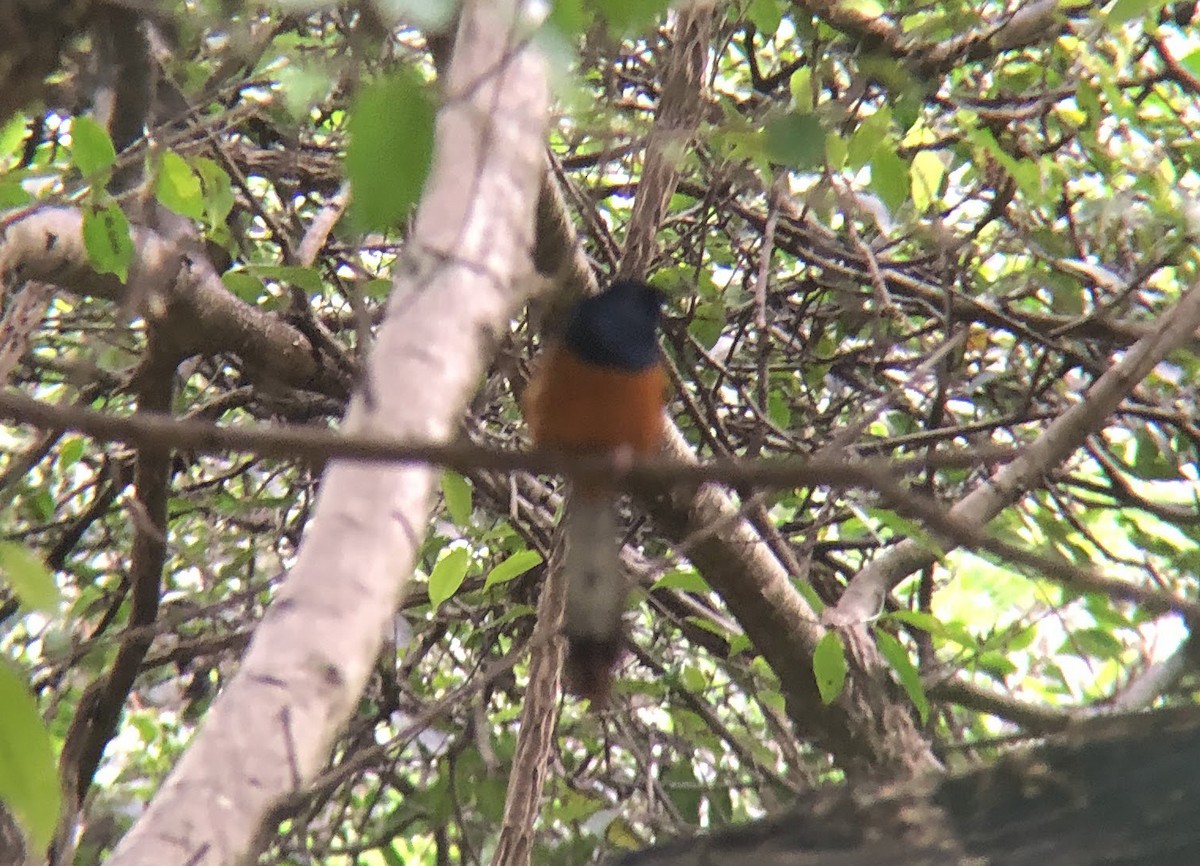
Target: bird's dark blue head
618	327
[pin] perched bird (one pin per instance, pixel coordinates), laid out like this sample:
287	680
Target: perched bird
599	389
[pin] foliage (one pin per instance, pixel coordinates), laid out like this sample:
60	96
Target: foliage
1029	208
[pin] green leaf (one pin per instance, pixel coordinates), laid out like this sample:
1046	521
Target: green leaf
28	770
391	856
1096	642
625	17
897	656
918	619
106	237
679	781
800	85
447	576
91	147
836	151
218	190
926	174
683	579
12	194
889	178
391	144
1125	10
996	663
457	492
738	644
247	287
376	289
866	8
906	528
12	134
765	15
70	452
28	576
178	187
308	279
796	140
708	321
512	567
829	666
871	133
779	410
810	595
567	17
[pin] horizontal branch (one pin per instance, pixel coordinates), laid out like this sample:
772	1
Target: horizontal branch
881	476
318	445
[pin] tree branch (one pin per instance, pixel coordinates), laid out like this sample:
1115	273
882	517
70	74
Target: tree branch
268	733
1064	435
180	290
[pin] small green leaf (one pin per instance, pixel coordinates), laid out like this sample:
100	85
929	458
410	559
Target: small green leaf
308	279
376	289
28	770
1125	10
391	144
106	238
801	87
70	452
91	147
708	625
12	194
996	664
1095	642
1088	101
889	178
738	644
28	576
679	781
765	15
926	174
897	656
683	579
391	857
796	140
779	410
906	528
179	187
457	492
447	576
810	595
871	133
218	190
829	666
512	567
626	17
567	17
836	151
708	321
918	619
693	679
247	287
12	134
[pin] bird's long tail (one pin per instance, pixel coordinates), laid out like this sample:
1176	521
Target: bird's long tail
596	594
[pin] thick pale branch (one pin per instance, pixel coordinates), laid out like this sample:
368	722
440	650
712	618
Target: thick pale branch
269	732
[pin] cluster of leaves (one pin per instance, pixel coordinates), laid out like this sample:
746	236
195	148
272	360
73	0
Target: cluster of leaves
1034	202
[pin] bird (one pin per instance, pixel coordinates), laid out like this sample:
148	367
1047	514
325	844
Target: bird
599	389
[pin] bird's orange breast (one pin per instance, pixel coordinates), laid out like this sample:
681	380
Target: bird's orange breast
575	406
